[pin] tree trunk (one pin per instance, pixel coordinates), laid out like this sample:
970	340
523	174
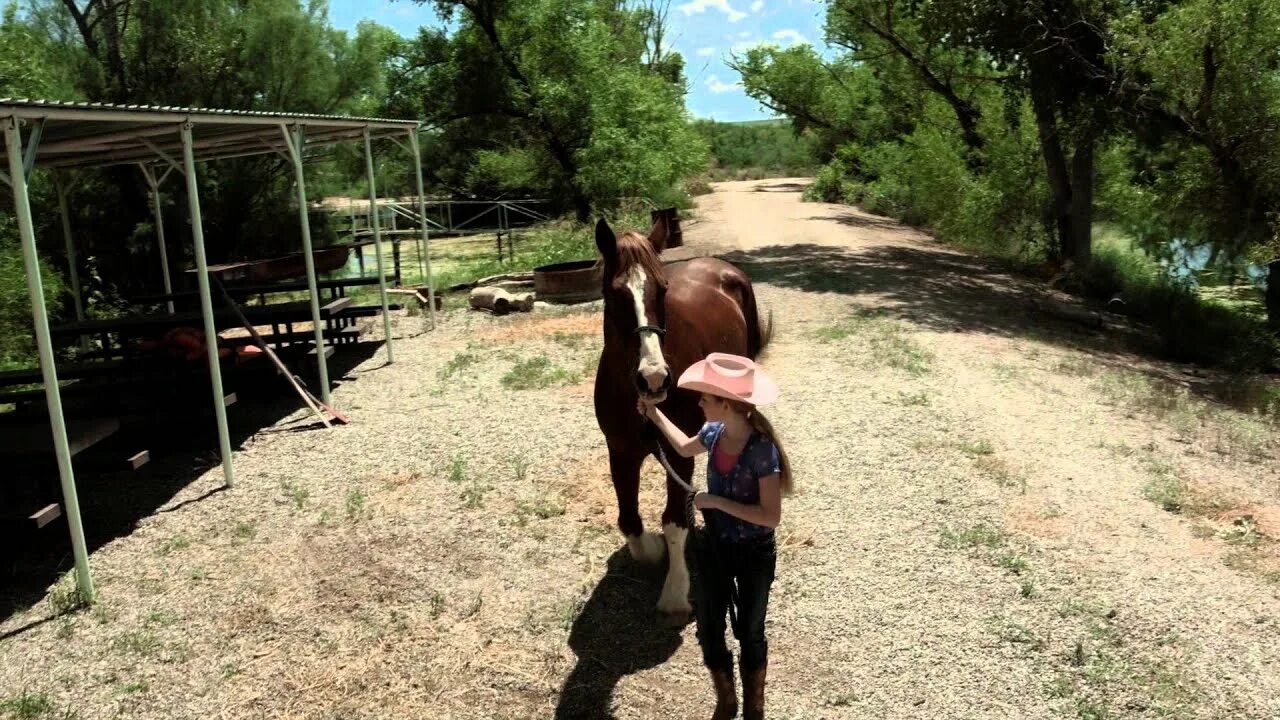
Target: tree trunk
1055	162
1273	294
1082	175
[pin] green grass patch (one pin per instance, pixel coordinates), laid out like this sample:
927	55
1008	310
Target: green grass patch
66	596
543	507
473	495
136	642
537	373
173	545
882	341
1191	326
981	535
458	469
357	504
977	448
458	363
29	706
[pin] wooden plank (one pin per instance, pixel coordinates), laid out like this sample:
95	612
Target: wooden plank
328	352
139	459
366	310
229	400
334	306
46	515
66	371
264	289
340	335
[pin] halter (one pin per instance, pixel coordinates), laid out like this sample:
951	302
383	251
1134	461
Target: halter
651	328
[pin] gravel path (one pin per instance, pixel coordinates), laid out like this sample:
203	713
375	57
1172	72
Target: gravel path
973	537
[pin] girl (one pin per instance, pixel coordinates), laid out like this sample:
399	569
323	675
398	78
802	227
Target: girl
747	474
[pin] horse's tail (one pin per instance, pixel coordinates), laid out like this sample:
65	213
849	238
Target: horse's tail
759	330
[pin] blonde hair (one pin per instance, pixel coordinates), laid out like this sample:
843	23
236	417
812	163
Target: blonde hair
761	424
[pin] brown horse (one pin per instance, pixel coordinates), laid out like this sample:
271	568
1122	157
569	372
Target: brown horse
659	320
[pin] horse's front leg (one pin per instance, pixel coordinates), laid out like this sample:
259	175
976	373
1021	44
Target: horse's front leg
675	531
624	469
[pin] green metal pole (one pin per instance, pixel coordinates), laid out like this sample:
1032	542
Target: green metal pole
48	372
295	140
206	303
426	237
377	241
164	249
65	212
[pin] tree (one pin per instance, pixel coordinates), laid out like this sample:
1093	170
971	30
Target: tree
578	98
1197	82
277	55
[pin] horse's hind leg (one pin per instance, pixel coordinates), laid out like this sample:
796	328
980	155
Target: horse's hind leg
675	531
624	468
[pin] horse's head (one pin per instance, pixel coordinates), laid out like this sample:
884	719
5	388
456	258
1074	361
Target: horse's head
635	288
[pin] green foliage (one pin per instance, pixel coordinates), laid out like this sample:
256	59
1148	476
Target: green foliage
1210	150
563	99
17	343
1191	328
967	119
23	69
770	147
271	55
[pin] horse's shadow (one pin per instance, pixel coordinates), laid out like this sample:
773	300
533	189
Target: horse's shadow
618	632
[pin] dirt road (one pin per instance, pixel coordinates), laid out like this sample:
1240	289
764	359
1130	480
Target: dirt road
999	517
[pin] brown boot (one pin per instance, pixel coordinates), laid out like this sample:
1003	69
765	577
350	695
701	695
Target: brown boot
726	697
753	694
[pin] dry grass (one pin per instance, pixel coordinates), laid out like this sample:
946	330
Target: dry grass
526	328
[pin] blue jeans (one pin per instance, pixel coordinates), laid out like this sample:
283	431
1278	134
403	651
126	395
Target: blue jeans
722	566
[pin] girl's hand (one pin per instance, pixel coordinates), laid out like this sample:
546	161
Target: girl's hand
706	501
643	407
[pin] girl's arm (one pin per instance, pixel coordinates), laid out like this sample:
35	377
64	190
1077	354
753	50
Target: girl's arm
683	444
768	513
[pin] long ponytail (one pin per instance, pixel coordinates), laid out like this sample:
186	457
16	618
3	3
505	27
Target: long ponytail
765	428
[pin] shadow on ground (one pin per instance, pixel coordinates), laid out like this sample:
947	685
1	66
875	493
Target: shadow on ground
618	632
942	290
934	288
180	435
781	187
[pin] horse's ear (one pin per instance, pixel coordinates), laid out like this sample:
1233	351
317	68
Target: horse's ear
606	241
658	235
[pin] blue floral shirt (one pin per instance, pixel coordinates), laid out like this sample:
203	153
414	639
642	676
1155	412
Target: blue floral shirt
759	458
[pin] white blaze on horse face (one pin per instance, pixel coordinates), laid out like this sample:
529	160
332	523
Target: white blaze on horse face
653	367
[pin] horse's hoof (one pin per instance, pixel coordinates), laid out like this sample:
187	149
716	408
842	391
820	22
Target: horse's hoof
675	619
646	547
674	607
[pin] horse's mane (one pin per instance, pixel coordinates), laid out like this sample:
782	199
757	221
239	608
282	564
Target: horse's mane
635	250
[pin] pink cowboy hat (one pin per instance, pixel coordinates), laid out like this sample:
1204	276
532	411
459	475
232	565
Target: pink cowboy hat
730	376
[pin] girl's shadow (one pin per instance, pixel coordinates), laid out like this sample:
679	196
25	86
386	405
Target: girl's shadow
618	632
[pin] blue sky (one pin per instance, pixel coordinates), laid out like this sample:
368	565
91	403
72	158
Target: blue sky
704	31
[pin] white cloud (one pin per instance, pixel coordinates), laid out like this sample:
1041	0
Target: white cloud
791	37
740	48
757	6
744	34
718	86
705	52
699	6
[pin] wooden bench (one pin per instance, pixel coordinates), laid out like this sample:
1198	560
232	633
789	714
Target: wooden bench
340	336
36	439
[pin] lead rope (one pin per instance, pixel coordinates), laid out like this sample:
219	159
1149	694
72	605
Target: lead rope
689	518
